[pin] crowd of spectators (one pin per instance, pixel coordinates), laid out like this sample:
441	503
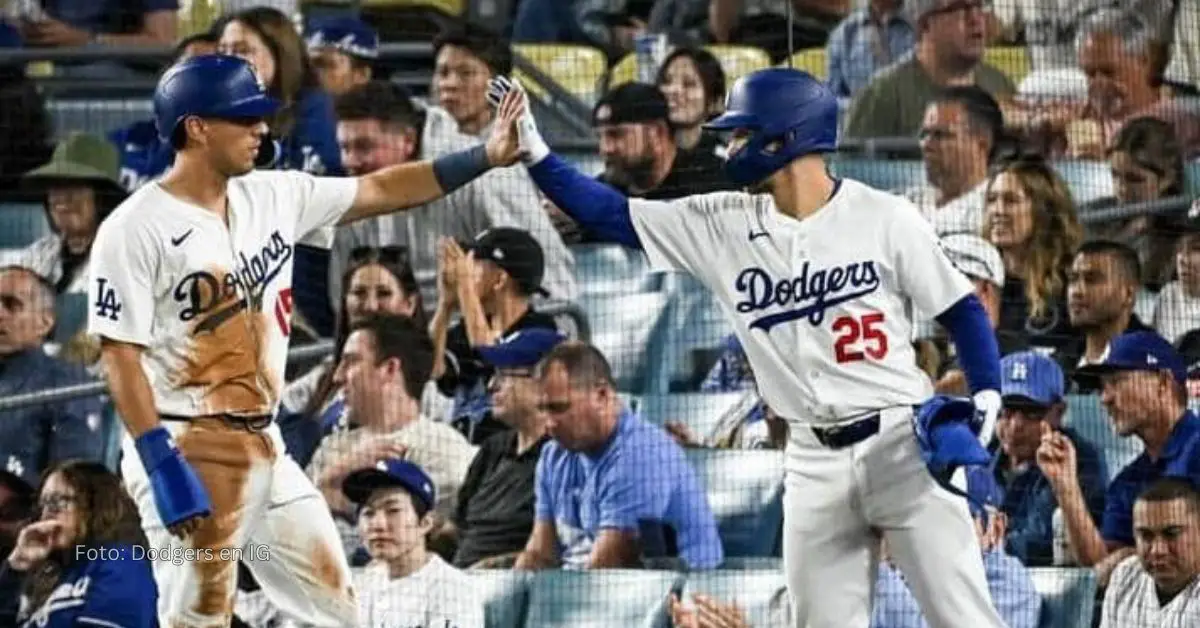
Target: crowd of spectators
456	426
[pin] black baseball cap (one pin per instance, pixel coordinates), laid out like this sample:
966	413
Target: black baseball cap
516	252
631	102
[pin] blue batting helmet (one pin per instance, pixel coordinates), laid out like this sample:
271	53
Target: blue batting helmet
781	105
209	86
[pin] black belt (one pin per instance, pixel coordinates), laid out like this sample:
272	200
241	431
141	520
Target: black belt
254	423
844	436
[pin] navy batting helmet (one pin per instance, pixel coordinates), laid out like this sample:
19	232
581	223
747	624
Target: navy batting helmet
781	105
209	86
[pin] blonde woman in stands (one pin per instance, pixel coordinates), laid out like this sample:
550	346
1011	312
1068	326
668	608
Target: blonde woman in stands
1030	218
1147	165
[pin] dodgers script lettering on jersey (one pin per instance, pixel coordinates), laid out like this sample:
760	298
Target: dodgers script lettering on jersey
210	299
816	289
823	307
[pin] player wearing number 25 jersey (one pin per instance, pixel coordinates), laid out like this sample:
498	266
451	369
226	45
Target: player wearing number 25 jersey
820	279
190	293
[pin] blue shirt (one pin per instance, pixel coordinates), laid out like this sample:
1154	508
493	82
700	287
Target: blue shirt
639	478
1029	501
1180	458
34	437
115	588
1013	593
850	55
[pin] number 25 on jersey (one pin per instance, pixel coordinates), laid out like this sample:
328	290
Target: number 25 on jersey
859	338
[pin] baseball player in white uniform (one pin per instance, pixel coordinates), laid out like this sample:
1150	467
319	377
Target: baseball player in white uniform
191	295
820	279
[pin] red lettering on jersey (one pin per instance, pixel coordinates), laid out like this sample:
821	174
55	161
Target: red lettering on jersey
283	311
859	338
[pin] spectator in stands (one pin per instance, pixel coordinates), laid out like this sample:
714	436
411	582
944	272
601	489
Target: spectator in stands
494	515
17	499
981	263
693	83
379	281
1143	388
868	40
466	57
1147	165
304	133
962	129
1010	585
731	372
1034	388
380	126
25	125
81	188
757	23
1102	288
611	489
491	286
342	50
1160	586
949	52
384	367
1117	51
1177	310
405	584
84	562
80	23
34	437
1031	220
145	155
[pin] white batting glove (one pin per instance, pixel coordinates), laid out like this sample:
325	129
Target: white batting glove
533	147
987	411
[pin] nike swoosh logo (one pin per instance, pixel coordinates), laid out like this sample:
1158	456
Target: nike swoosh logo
761	234
180	239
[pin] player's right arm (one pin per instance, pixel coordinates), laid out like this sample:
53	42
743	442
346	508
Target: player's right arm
122	268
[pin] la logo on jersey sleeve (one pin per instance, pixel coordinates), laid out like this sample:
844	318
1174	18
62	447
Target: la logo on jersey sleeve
107	305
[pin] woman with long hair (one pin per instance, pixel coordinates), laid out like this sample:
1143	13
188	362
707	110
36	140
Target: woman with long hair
379	280
693	82
1030	218
85	560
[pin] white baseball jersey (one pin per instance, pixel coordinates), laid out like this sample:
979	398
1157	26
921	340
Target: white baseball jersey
210	301
823	306
436	595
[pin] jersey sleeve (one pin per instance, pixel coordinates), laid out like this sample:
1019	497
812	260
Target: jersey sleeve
321	201
923	270
121	283
678	235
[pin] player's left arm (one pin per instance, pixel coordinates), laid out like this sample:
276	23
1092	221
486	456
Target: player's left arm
928	276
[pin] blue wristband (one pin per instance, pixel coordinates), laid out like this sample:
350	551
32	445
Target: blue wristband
458	169
155	446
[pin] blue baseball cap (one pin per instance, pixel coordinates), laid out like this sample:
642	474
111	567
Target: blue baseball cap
391	473
1138	351
521	349
347	34
1029	376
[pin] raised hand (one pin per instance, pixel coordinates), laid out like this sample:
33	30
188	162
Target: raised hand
504	142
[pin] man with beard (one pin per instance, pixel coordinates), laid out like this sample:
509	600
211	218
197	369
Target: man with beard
640	156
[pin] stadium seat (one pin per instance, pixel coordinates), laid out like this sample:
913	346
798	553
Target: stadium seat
601	599
698	332
745	492
757	592
612	269
625	71
812	61
889	175
700	411
630	332
505	595
1013	61
21	224
738	61
1086	416
1088	180
70	311
97	116
580	70
1067	596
